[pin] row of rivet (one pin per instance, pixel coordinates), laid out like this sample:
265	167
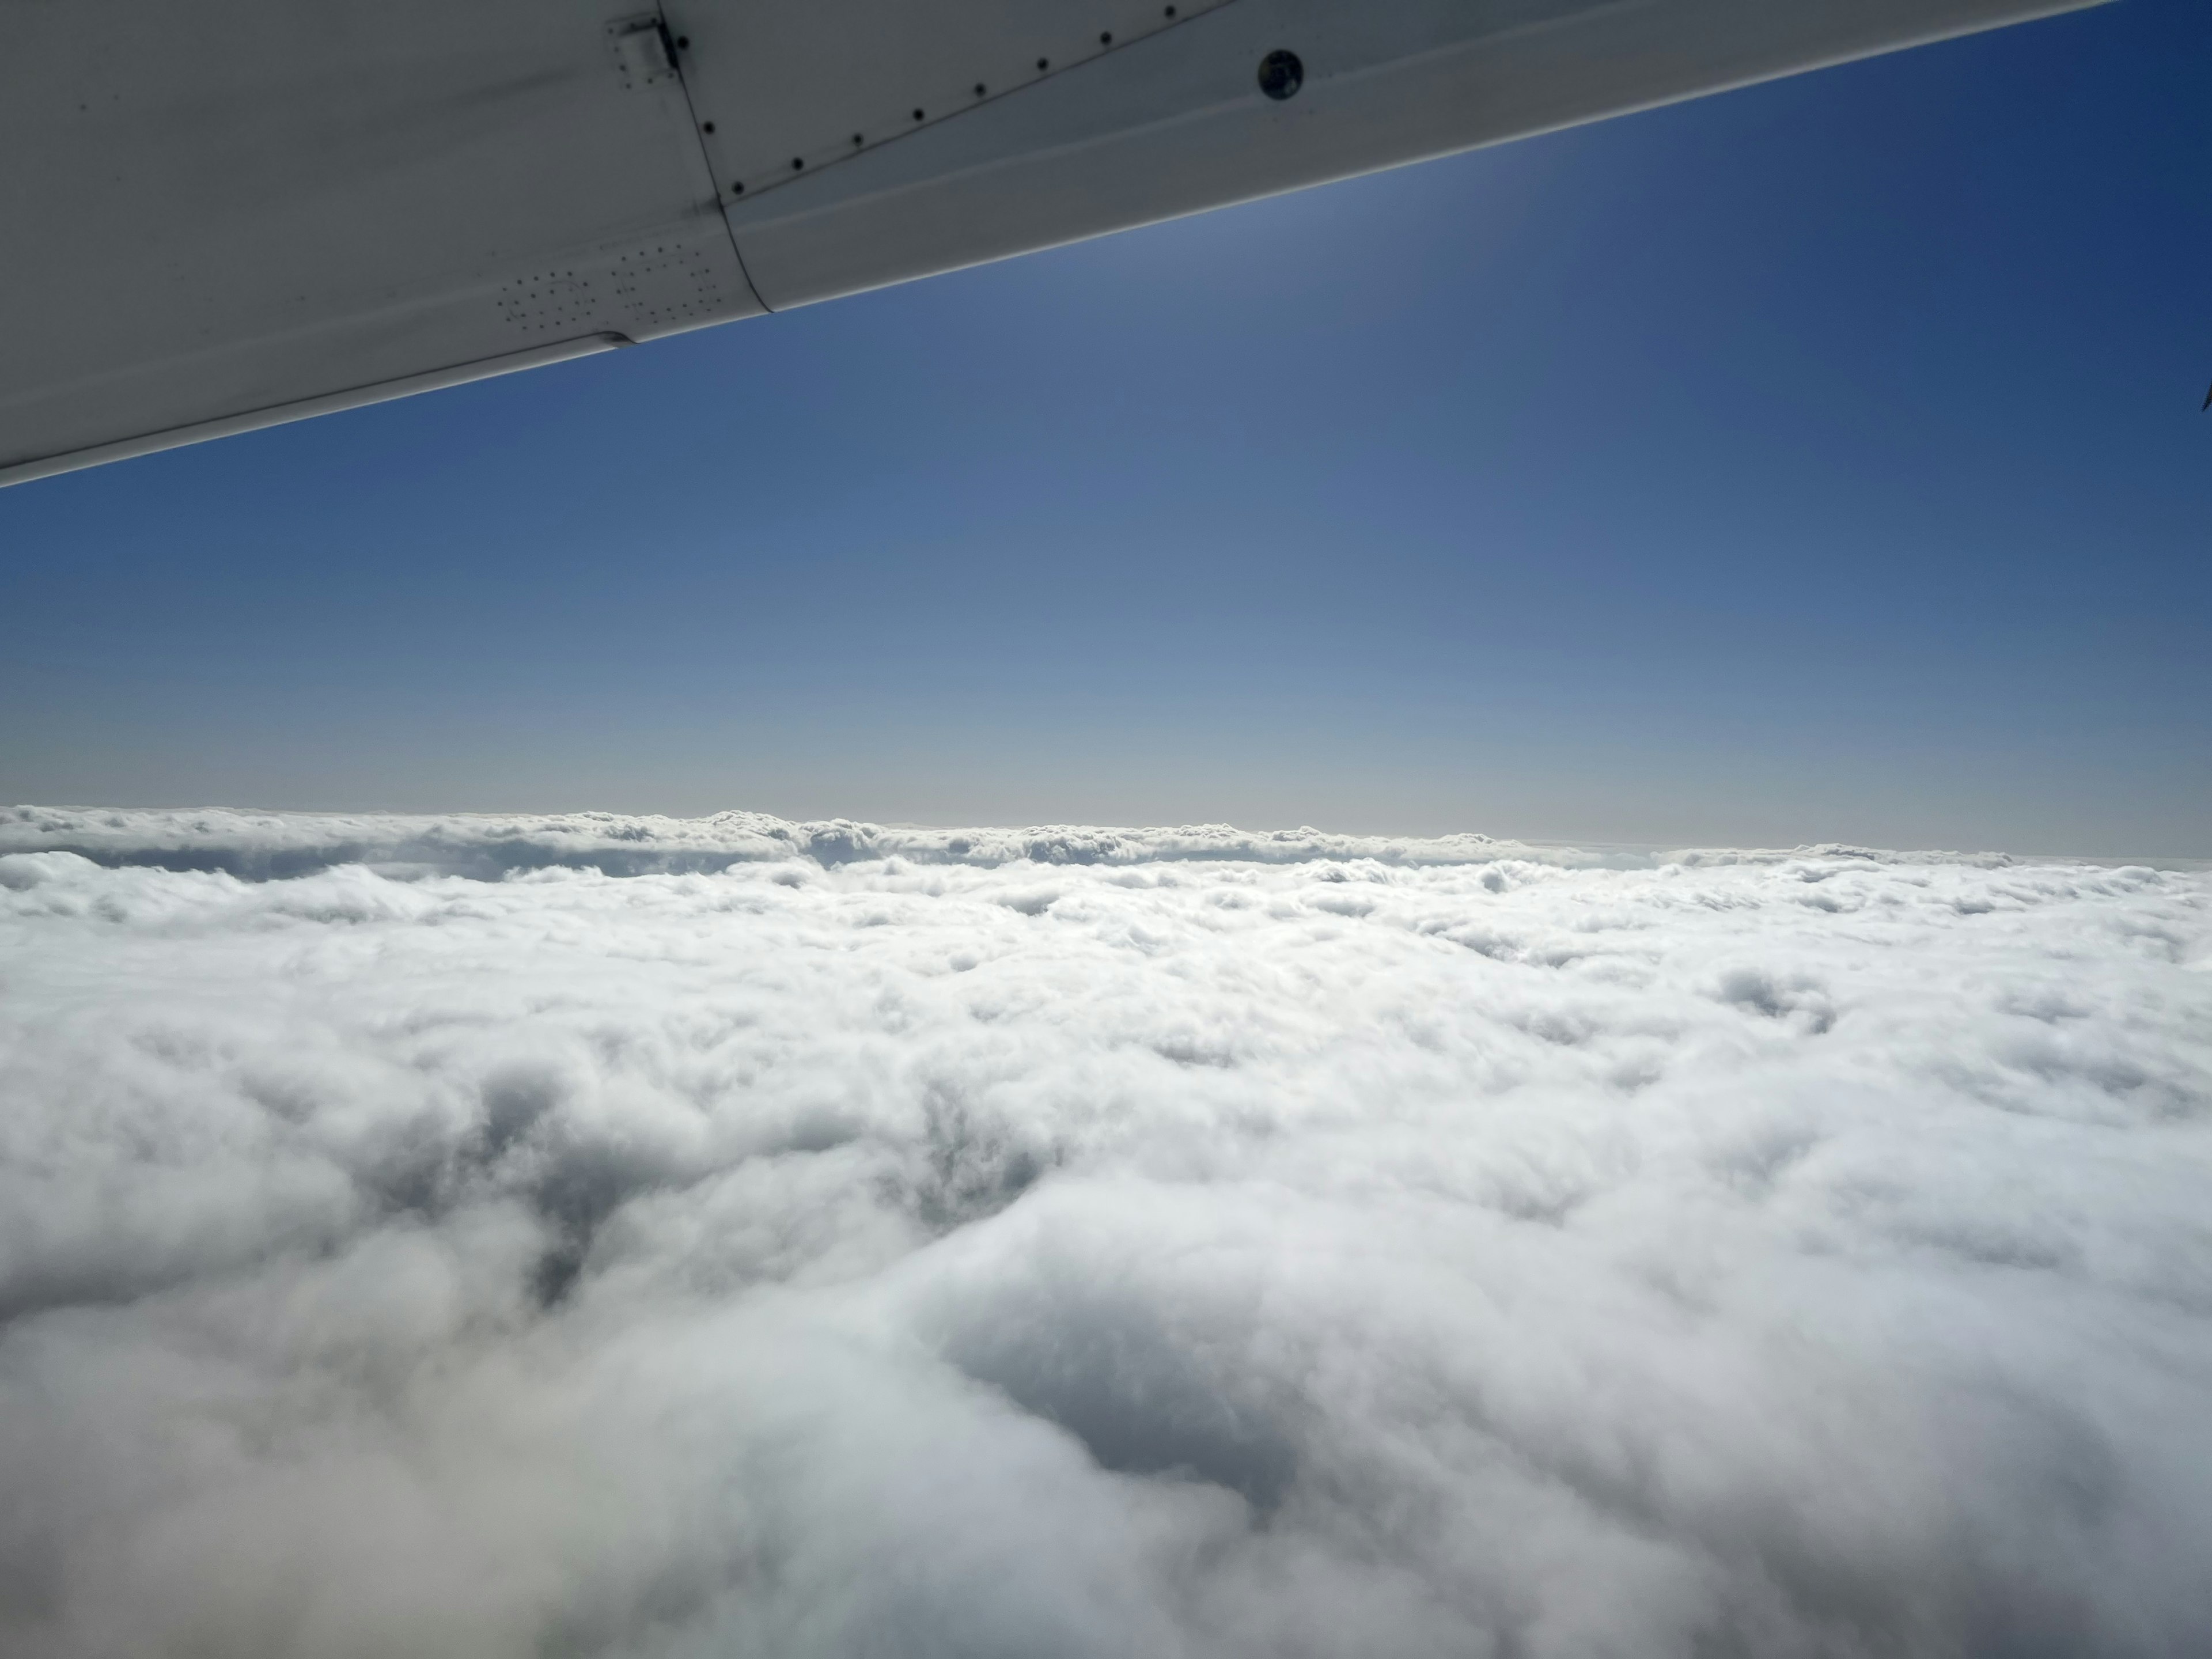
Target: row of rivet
859	140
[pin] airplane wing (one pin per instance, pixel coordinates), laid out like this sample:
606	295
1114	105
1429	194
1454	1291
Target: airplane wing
225	215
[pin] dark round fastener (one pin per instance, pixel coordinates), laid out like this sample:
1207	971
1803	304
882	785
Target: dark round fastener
1044	63
684	43
1281	74
797	162
737	188
917	115
1107	38
707	126
979	88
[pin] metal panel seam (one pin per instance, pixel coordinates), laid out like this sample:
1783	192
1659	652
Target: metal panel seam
1043	79
713	179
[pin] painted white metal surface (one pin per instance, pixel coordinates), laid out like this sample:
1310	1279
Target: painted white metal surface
234	208
1174	122
790	88
238	211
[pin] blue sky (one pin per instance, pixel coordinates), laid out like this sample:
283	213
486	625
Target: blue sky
1819	461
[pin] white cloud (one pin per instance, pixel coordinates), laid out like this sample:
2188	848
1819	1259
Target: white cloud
856	1241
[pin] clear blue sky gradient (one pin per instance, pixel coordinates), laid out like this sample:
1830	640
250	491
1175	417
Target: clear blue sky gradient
1821	461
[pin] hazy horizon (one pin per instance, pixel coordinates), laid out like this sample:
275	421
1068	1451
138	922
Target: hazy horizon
8	832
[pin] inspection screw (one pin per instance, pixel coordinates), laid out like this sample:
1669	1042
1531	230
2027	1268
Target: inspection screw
1281	74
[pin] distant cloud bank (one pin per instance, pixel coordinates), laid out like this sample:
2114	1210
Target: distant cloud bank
635	1236
260	846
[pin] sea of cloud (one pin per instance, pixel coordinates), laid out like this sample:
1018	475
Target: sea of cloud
604	1235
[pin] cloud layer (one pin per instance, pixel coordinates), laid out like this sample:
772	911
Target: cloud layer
847	1241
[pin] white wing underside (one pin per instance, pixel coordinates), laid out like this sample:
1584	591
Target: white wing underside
227	214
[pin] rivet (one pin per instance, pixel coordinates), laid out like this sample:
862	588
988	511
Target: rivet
857	141
1281	74
1044	63
917	115
706	127
738	188
1107	38
684	41
797	162
979	88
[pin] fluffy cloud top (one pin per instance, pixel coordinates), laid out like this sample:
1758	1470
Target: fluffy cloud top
848	1241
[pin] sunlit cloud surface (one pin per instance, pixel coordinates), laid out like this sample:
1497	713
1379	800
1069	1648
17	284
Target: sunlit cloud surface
594	1236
